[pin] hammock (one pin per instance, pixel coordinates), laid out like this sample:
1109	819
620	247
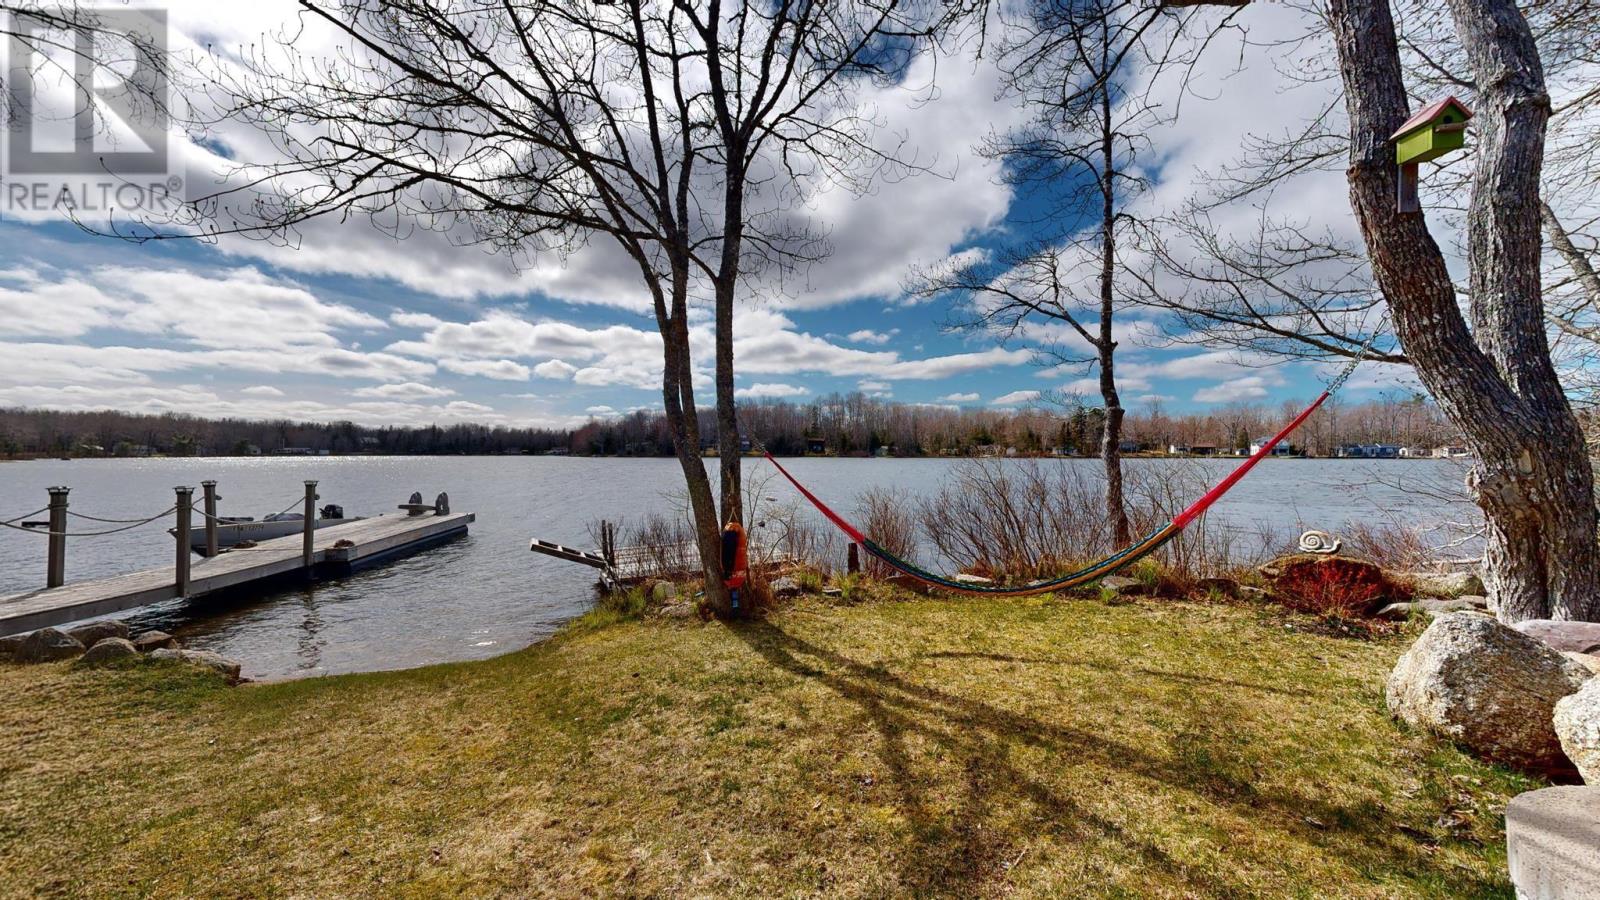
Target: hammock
1112	564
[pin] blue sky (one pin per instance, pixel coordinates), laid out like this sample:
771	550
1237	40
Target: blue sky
352	324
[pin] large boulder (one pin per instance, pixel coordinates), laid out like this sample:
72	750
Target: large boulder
1577	724
147	641
1448	584
107	650
1551	837
1576	637
1488	687
1587	660
1432	606
205	659
48	645
94	632
10	644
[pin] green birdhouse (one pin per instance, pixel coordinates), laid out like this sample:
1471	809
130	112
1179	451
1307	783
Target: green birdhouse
1435	130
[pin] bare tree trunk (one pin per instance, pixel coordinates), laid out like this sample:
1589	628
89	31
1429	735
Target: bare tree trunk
677	394
727	283
1496	382
1111	427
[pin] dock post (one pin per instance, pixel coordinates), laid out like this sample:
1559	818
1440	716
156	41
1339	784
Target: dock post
56	566
185	507
310	525
210	488
852	558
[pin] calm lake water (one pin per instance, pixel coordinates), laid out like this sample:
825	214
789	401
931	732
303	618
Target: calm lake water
487	594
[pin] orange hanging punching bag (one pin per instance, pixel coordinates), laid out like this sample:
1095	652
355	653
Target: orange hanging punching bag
735	560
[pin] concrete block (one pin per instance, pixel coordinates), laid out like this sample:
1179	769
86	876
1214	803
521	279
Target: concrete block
1553	843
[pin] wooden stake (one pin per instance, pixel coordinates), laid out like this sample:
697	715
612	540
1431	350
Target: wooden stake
185	507
56	565
310	526
210	488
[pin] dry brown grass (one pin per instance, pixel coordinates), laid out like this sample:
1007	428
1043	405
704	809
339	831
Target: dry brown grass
1038	748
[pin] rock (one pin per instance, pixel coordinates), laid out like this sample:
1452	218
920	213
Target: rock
785	587
976	580
1551	836
1577	637
223	666
48	645
1226	587
1123	586
1577	724
1430	606
146	641
663	591
907	583
678	611
1587	660
92	633
9	645
1449	584
1251	592
1485	686
107	650
1474	600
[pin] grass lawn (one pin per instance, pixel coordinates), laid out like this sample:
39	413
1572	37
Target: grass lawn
917	748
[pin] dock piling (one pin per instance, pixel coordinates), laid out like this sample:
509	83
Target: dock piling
185	506
310	524
56	565
211	498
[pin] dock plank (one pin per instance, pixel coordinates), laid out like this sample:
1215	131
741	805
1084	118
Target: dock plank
276	558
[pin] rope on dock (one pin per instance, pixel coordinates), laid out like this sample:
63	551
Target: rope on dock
26	515
128	527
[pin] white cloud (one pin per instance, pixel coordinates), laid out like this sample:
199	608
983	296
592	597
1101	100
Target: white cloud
601	411
1015	398
498	369
407	390
1250	387
970	397
868	336
555	368
262	390
771	391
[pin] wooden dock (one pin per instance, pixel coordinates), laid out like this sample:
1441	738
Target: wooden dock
336	551
631	565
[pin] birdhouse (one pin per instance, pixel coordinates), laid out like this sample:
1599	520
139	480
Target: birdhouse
1435	130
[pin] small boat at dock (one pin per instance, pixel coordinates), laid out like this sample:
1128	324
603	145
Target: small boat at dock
235	530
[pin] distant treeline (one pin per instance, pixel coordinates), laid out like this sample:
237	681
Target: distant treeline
844	424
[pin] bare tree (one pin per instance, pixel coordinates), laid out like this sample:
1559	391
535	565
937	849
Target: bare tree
534	127
1070	65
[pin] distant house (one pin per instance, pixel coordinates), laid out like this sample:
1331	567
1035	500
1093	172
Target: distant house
1451	452
1368	451
1283	449
1129	447
816	445
293	451
556	451
1202	449
1416	452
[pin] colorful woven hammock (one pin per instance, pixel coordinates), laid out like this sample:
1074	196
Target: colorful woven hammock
1108	566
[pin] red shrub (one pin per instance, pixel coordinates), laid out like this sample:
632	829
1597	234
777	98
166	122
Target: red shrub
1333	586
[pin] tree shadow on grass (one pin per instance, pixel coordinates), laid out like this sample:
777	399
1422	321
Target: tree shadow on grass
1121	670
953	855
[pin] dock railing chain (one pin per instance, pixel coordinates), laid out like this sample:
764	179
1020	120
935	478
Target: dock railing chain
133	523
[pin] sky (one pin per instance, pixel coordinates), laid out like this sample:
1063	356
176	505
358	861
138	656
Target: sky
350	323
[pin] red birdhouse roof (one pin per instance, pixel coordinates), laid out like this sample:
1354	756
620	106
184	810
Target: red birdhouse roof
1428	113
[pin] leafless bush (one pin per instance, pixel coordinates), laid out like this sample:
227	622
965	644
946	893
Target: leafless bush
886	515
1391	545
666	543
785	530
1023	520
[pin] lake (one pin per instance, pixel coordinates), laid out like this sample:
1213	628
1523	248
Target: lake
487	594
